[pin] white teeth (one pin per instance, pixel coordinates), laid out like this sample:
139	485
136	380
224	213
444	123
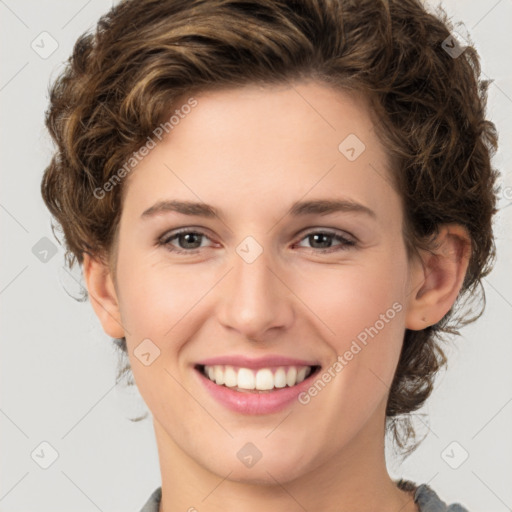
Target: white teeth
245	378
263	379
301	375
291	376
280	378
230	377
219	375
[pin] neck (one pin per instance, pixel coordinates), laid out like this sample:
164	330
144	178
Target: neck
354	479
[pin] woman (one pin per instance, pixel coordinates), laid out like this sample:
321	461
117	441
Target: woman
278	207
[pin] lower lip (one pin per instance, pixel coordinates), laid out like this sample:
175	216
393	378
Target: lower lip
267	402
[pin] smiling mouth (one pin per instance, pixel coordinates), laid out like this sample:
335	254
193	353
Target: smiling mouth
261	380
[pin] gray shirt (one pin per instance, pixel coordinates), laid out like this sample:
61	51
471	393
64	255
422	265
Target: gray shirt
426	499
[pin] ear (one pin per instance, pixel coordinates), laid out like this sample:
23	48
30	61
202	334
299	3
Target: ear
103	296
436	280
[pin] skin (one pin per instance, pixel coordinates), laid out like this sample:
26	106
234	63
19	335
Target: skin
251	152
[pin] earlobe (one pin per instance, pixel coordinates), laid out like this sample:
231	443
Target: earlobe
435	284
102	295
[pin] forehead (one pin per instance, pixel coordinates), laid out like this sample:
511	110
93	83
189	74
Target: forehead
271	143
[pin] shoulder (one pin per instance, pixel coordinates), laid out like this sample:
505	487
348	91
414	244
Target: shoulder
153	503
427	499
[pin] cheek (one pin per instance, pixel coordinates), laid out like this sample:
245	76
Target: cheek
351	297
361	308
155	296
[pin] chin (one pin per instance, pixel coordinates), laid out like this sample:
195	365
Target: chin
266	471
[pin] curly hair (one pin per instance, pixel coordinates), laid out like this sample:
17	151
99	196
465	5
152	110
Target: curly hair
429	104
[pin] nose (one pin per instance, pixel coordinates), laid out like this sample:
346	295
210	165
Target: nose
255	300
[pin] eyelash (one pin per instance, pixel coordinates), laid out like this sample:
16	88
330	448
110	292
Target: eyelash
167	238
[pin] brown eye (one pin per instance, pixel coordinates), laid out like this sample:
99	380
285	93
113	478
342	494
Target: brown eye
184	241
322	241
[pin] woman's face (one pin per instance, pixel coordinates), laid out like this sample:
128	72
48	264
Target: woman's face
265	285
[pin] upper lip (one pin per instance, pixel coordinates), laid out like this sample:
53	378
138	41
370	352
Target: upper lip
256	362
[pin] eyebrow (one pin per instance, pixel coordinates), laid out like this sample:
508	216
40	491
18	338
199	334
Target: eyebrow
299	208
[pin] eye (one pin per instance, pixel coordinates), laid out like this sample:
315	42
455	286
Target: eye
188	240
321	241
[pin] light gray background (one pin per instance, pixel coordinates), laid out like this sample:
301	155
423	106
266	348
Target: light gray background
57	366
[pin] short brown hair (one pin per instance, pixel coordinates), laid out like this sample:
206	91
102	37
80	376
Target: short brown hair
125	78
